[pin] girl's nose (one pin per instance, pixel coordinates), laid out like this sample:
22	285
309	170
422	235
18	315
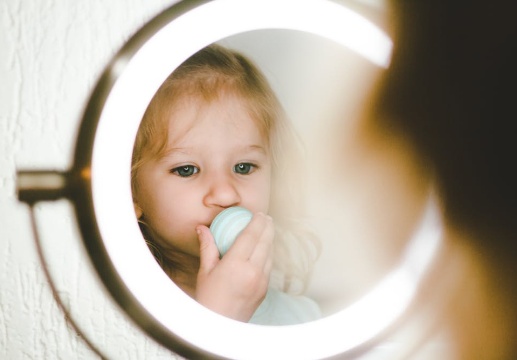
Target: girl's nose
222	192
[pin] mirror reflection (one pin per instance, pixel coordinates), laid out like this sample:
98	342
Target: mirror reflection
215	137
238	125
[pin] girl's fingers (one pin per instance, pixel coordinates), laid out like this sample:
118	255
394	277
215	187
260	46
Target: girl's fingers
235	285
255	233
208	253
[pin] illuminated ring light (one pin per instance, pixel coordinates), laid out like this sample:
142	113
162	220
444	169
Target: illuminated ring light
112	236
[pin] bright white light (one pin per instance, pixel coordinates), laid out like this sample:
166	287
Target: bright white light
111	163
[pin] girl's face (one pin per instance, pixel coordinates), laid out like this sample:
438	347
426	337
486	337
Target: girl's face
216	158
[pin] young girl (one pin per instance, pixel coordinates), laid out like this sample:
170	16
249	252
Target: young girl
215	136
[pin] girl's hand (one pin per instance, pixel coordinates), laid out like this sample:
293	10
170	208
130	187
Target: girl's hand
235	285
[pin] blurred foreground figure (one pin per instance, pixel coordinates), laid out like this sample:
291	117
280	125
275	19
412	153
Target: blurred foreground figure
451	92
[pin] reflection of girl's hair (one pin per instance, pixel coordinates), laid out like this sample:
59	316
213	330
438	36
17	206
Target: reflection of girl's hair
208	74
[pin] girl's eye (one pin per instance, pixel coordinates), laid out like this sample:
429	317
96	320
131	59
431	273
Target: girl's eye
185	170
244	168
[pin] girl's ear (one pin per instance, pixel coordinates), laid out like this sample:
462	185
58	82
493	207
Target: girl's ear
138	210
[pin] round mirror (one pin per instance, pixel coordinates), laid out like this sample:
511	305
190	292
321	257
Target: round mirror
300	46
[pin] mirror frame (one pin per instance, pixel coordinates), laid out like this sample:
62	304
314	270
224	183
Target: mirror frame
188	328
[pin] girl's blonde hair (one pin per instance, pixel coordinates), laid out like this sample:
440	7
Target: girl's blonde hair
213	72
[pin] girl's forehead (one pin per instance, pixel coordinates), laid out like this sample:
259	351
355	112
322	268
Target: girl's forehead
196	111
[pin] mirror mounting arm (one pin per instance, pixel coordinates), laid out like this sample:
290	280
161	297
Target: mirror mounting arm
43	185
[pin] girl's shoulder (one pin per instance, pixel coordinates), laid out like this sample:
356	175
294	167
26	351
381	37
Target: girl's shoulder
279	308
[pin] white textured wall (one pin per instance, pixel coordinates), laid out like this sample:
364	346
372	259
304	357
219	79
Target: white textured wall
51	53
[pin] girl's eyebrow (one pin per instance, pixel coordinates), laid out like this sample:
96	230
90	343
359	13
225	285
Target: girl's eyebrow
255	148
188	151
177	150
174	151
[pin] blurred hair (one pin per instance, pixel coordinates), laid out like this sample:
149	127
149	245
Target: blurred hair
450	92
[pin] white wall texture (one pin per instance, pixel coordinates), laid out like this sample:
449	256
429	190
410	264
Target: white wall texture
51	54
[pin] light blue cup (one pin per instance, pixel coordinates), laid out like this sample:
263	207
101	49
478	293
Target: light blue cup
227	225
